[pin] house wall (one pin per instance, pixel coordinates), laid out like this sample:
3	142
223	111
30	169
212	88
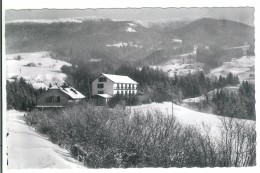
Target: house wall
111	88
42	100
108	87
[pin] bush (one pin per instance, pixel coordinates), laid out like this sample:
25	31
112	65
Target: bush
120	100
105	138
31	64
18	58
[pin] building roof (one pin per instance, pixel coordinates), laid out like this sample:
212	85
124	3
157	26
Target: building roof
107	96
70	91
119	78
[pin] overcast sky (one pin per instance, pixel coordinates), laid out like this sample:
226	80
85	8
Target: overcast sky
244	14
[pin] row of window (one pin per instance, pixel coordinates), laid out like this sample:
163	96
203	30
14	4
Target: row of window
119	86
130	92
120	92
53	99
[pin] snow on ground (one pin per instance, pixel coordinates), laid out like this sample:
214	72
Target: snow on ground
194	99
42	70
188	116
95	60
181	64
132	24
60	20
123	44
28	149
129	29
242	67
178	68
63	20
210	94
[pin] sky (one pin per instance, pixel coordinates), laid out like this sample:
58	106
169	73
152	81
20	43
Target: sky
240	14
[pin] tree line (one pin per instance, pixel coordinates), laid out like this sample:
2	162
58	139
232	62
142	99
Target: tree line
232	104
21	95
154	83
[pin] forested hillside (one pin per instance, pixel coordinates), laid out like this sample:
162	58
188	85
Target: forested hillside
214	32
128	40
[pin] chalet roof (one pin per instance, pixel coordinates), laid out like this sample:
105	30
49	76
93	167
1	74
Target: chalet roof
70	91
119	78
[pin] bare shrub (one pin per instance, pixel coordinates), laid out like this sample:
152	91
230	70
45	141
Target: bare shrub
105	138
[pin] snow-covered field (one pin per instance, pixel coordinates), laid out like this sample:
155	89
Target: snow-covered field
41	71
129	29
194	99
175	67
28	149
124	44
60	20
242	67
188	116
181	64
210	94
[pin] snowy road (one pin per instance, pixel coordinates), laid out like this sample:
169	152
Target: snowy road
28	149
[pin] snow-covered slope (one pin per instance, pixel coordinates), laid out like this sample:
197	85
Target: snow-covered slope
60	20
188	116
28	149
166	22
37	68
242	67
124	44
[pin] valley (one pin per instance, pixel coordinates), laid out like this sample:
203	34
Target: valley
183	93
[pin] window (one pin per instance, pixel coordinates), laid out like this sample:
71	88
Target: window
118	86
100	85
100	92
58	99
122	85
117	92
129	86
102	79
50	99
133	86
125	92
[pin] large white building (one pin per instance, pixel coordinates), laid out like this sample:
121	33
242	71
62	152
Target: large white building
107	85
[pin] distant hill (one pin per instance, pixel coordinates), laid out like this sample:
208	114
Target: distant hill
91	38
129	40
222	33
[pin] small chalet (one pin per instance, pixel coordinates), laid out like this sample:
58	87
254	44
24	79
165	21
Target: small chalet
107	85
59	96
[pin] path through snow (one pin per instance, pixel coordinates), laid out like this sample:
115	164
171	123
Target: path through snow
28	149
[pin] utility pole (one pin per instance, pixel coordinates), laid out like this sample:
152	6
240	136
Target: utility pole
89	90
130	101
172	106
172	97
